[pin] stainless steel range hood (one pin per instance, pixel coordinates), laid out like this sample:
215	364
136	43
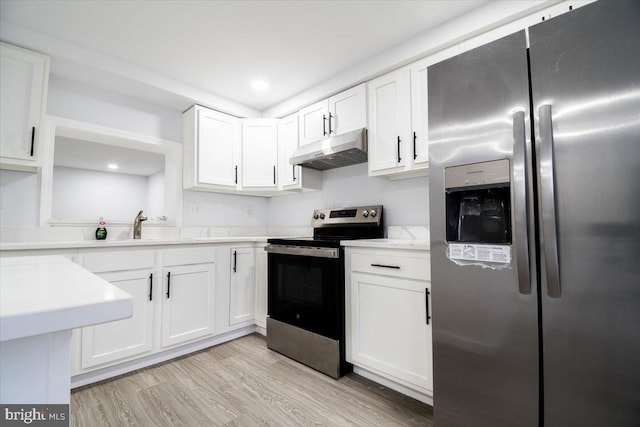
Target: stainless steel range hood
342	150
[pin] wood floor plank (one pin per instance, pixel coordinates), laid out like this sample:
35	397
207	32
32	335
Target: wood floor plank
241	383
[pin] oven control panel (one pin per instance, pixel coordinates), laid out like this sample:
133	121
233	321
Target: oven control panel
370	215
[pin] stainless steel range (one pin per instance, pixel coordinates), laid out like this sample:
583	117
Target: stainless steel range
306	288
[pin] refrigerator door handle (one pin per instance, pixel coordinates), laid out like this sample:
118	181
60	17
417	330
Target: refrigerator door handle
548	203
519	177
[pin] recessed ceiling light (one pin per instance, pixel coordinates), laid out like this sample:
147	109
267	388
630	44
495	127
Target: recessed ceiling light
112	166
259	85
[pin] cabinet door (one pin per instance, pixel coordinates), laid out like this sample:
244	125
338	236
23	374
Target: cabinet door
218	148
262	271
112	341
287	145
348	110
389	102
314	122
419	153
242	286
187	303
259	153
22	77
389	329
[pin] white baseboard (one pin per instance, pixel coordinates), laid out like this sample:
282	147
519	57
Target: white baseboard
400	388
125	367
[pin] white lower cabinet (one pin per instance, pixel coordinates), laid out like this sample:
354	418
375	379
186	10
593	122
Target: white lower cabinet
188	295
262	279
113	341
388	320
242	286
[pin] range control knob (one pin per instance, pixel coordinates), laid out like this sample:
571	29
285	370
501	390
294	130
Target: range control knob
373	213
365	213
315	215
321	216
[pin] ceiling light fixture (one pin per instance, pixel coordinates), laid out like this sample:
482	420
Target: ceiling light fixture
259	85
112	166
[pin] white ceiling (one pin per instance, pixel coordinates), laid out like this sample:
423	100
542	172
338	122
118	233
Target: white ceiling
221	46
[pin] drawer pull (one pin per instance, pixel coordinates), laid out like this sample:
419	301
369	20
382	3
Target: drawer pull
168	285
426	303
33	140
395	267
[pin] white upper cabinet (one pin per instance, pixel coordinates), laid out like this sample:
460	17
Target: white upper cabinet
313	122
212	147
288	144
23	84
348	110
339	114
389	121
260	154
293	177
399	119
419	155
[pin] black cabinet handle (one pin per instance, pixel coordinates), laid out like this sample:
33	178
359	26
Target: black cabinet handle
235	261
274	175
236	174
294	172
426	303
324	120
399	158
151	287
33	139
330	116
395	267
415	155
169	285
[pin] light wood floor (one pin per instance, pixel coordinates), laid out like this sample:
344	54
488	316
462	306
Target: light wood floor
241	383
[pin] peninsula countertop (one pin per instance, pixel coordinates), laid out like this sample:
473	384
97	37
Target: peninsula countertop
45	294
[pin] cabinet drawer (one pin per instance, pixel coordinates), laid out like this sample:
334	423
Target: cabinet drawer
118	261
189	256
410	266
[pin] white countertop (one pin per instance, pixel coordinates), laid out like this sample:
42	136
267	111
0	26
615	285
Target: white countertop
44	294
413	244
76	244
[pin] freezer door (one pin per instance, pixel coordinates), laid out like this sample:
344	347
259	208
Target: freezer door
485	316
585	74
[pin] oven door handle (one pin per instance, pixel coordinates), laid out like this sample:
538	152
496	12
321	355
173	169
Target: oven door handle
303	251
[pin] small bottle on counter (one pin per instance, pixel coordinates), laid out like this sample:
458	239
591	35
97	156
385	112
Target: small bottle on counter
101	231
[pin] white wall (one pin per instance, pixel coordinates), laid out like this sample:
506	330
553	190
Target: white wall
19	199
406	202
155	196
90	104
82	194
82	102
223	210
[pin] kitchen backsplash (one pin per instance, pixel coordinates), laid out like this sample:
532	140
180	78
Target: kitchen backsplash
151	232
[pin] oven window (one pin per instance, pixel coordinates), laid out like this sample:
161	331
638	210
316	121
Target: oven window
305	292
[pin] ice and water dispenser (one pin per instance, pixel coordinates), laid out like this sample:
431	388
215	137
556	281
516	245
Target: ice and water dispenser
478	203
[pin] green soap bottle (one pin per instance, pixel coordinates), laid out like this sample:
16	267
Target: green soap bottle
101	231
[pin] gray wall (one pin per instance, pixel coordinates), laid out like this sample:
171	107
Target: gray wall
406	201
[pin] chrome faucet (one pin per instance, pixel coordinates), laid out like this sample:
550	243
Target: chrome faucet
137	225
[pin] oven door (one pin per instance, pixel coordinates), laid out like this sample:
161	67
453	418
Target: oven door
306	288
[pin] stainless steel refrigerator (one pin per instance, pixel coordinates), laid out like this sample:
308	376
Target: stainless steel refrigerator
535	224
